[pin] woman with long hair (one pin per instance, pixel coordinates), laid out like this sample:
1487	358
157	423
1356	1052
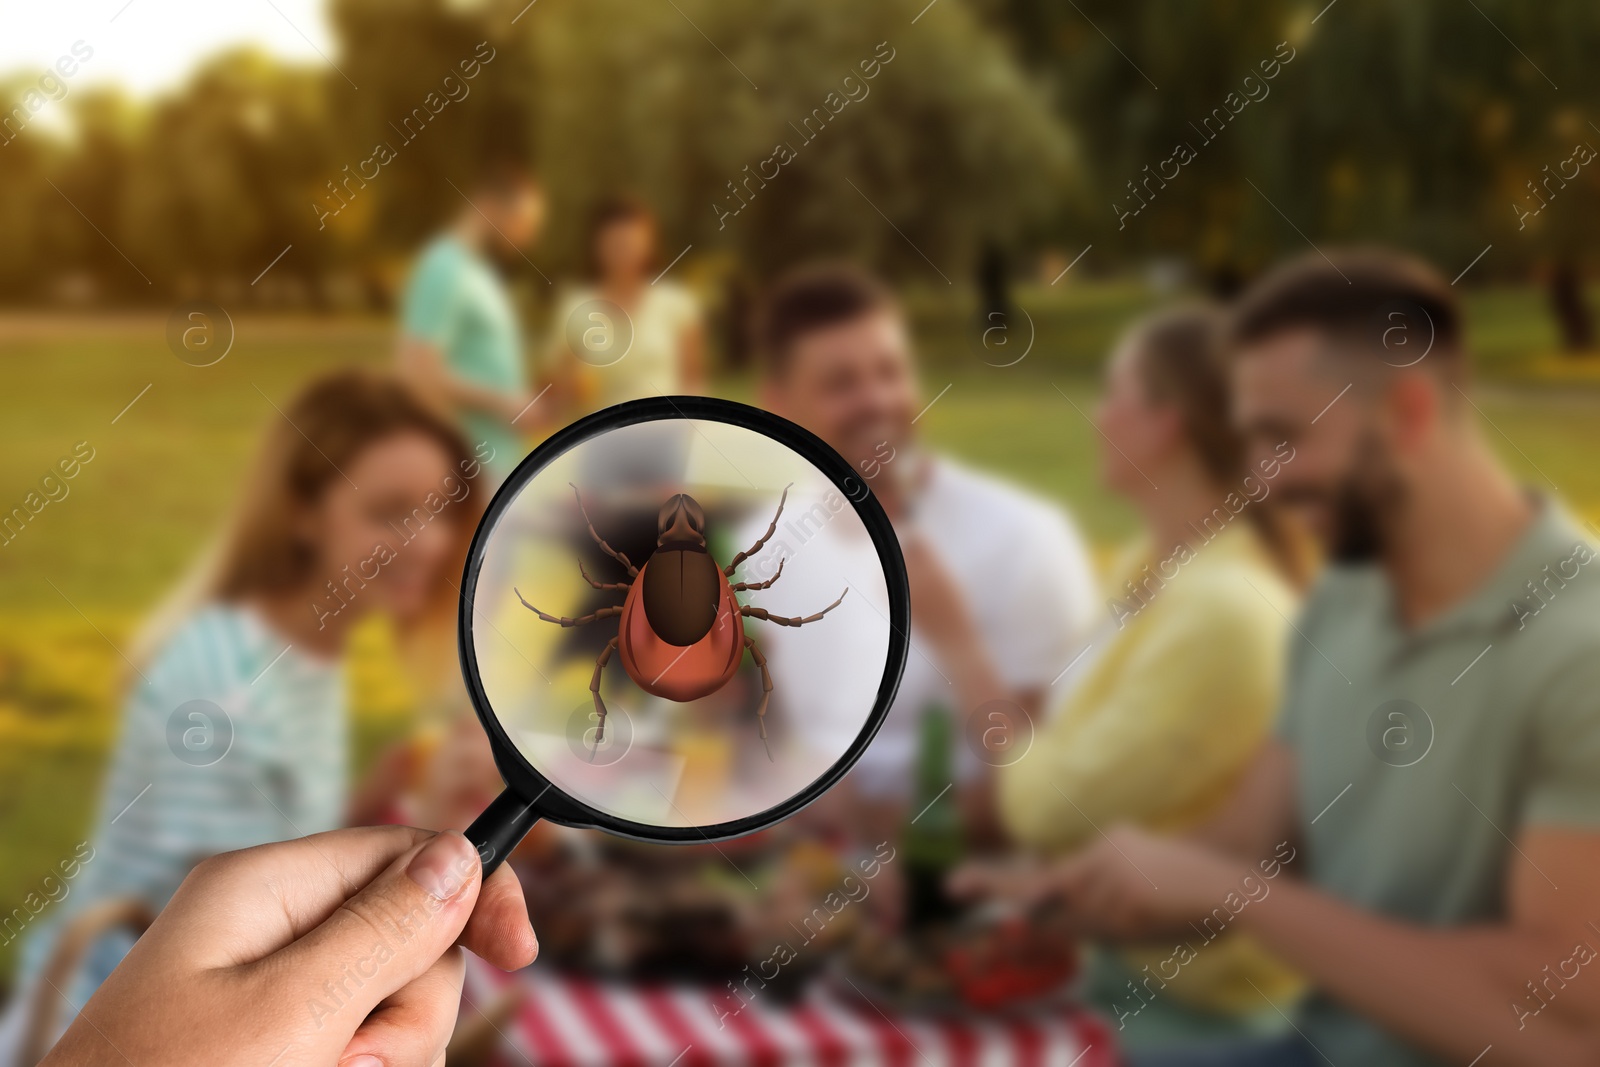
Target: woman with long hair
234	726
626	332
1181	680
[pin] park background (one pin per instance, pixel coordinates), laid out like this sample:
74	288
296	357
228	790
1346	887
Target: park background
996	152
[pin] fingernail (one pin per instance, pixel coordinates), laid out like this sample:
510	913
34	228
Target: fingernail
362	1061
444	866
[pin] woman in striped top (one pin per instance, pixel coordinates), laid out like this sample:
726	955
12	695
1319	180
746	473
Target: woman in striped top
234	728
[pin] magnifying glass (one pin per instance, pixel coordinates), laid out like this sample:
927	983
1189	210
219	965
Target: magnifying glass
682	620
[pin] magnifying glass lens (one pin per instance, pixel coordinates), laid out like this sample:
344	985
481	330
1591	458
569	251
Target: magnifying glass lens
683	622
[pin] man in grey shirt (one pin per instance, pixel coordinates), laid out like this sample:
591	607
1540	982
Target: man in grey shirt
1422	837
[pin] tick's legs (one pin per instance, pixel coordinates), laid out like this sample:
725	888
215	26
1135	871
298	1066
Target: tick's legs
594	688
727	572
633	572
603	613
766	689
782	620
739	587
603	585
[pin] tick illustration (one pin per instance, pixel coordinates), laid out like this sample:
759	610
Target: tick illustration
681	634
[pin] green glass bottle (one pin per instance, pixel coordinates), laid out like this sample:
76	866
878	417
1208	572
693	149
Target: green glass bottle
932	839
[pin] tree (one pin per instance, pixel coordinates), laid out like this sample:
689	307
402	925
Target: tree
757	132
445	87
27	157
225	175
1418	124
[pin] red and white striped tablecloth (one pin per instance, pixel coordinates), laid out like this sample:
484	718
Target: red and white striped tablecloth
576	1022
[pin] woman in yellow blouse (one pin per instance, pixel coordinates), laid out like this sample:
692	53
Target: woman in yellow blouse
1180	681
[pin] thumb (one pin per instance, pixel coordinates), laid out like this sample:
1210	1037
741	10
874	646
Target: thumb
387	934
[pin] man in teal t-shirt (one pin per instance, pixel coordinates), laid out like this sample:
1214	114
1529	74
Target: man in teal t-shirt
461	342
1421	840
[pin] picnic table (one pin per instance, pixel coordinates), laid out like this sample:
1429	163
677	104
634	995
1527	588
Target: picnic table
571	1021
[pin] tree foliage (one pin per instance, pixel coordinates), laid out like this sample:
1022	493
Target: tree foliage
1416	123
756	130
753	128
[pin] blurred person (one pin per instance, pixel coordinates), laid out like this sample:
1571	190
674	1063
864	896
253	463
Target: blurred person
1431	792
626	333
345	947
1177	691
460	339
1001	585
234	725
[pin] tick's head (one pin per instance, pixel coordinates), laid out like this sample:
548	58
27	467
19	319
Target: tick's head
682	523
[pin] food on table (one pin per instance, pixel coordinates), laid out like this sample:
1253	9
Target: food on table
1014	962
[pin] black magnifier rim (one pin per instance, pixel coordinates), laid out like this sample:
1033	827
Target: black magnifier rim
547	798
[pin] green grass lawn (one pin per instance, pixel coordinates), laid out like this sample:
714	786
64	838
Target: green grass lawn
80	575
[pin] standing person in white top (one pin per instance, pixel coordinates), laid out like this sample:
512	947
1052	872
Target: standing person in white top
1002	590
233	728
627	332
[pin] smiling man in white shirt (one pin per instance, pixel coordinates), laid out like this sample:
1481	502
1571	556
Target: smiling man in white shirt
1002	590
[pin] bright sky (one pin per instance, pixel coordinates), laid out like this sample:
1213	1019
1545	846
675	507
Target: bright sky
149	45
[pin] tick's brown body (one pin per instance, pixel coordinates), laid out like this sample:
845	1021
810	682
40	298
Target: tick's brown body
681	634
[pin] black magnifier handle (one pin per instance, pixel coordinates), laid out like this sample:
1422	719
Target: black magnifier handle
504	823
